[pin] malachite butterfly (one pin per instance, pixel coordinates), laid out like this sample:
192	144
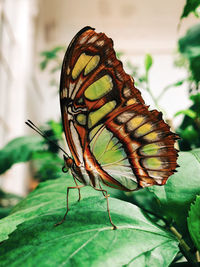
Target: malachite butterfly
113	137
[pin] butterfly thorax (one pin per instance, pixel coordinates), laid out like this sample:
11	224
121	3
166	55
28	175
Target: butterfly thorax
84	173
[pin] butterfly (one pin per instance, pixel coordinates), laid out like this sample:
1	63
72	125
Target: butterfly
113	137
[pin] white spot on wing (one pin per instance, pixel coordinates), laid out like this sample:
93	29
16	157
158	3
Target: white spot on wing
125	116
71	88
126	92
80	81
76	140
68	70
93	39
100	43
158	181
83	39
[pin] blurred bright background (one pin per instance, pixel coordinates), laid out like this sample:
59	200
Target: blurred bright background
146	30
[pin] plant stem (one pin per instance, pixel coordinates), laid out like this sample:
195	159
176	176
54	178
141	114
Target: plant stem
185	249
150	92
197	256
165	89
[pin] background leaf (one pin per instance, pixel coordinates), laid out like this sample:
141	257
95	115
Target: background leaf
181	189
148	61
190	6
86	237
189	130
19	150
48	196
189	46
194	222
188	112
48	165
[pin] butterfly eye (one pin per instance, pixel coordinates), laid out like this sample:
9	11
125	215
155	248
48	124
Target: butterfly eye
64	169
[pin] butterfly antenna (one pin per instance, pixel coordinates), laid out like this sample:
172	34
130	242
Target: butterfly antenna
36	129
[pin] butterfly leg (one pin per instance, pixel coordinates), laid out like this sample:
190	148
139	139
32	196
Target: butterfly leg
68	188
102	190
79	191
105	193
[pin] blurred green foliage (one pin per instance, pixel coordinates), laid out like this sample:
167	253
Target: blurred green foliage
46	162
7	202
190	7
194	222
52	56
189	130
189	46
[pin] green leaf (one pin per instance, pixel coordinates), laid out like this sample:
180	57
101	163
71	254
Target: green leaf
154	257
190	6
148	61
119	54
48	165
19	150
56	127
4	212
181	188
51	54
190	134
194	222
7	202
144	199
43	64
188	112
179	83
86	237
48	196
189	46
196	99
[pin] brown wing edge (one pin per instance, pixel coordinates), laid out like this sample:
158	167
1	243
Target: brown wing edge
65	121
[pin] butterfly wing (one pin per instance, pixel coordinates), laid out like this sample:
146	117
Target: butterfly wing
108	127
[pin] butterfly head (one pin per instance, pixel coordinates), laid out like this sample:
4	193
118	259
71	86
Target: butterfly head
68	163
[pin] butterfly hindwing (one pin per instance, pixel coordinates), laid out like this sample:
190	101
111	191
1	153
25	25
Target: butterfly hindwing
108	127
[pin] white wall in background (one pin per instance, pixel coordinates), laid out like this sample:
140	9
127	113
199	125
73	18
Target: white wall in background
16	42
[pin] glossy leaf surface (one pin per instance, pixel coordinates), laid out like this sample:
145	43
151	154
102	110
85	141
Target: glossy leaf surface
86	237
181	189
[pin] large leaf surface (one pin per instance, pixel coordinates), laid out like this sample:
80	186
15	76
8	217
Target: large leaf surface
86	237
47	197
181	188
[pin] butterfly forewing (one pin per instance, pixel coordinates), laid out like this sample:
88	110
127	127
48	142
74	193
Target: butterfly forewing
108	128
